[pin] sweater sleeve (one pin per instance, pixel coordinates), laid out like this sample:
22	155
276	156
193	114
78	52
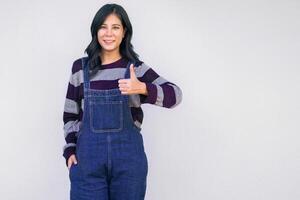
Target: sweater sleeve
72	109
161	92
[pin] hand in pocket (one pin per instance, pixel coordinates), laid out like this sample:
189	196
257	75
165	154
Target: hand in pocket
72	160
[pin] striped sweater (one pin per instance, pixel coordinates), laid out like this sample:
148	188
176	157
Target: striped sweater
160	92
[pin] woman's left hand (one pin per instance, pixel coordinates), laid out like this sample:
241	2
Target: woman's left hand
132	85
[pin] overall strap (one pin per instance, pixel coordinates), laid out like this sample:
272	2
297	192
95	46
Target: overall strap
86	78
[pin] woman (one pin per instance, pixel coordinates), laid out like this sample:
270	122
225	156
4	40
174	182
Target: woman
104	148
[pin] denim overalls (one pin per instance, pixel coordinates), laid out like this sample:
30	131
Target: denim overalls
112	164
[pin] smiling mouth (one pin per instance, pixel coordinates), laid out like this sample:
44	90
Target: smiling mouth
108	41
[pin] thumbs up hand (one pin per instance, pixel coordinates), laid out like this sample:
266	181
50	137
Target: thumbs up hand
132	85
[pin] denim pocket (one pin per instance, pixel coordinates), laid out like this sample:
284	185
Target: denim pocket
70	171
106	116
73	172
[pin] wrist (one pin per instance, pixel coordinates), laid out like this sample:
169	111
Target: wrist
143	89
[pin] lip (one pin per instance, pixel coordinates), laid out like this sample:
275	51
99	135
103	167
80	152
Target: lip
108	41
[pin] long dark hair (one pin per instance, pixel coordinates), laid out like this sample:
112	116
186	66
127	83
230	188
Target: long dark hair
94	48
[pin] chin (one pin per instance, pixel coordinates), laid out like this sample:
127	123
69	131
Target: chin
108	49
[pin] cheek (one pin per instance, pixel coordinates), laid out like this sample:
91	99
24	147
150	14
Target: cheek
120	37
100	34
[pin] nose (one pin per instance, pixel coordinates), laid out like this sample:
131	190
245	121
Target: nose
108	32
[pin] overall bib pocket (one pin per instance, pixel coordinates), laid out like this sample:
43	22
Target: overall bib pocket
111	121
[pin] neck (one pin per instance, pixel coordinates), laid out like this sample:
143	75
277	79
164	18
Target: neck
109	57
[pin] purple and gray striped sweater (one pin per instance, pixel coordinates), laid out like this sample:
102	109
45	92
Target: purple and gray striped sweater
160	92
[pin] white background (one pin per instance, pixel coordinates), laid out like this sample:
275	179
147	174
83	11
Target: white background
235	136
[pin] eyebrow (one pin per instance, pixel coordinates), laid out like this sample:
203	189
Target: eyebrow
113	24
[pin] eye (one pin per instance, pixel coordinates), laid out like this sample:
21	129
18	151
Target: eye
116	27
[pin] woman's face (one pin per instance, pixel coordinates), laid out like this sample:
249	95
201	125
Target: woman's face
111	33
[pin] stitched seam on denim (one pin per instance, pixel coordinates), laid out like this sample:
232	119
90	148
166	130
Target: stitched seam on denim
99	95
